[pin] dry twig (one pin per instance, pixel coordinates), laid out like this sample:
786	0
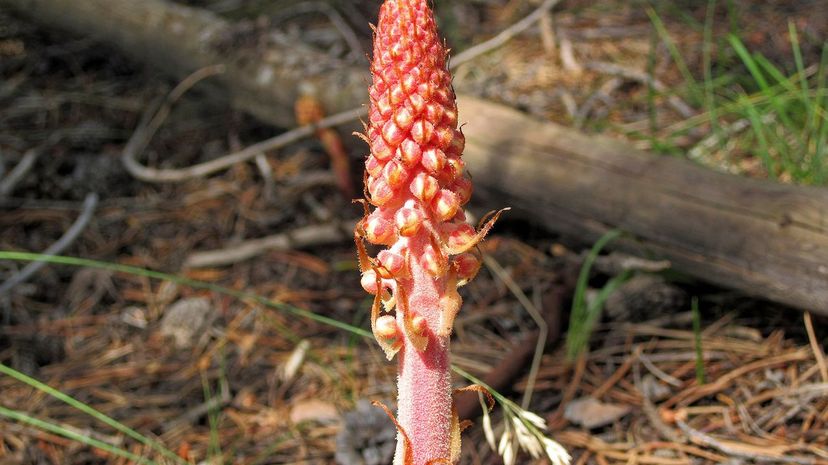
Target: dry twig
503	36
9	182
818	354
59	246
298	238
613	69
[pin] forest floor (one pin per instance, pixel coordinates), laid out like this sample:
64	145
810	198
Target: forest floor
248	373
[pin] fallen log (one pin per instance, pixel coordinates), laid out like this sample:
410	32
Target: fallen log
762	238
262	80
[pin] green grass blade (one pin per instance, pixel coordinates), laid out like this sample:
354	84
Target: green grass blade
749	62
800	71
82	407
580	338
69	434
579	318
214	445
819	159
759	130
134	270
755	64
676	54
707	48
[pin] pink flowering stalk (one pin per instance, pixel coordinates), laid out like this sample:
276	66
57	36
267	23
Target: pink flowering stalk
416	182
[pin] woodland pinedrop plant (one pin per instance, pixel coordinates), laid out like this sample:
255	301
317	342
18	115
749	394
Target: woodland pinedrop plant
416	182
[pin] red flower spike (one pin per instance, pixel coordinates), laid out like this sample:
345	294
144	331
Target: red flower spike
416	182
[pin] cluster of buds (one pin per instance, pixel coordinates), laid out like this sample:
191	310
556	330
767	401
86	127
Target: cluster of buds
415	176
417	184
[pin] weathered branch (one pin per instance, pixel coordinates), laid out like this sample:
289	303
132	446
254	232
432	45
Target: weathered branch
762	238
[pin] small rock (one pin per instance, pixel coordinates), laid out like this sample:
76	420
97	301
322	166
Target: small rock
135	317
592	413
186	320
367	437
654	389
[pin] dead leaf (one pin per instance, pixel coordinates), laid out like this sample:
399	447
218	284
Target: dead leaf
592	413
313	410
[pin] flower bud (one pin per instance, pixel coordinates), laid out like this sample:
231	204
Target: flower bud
409	221
425	89
419	325
443	138
434	112
434	160
404	118
373	166
395	174
442	95
392	134
392	263
455	167
424	187
387	329
374	115
410	153
432	260
467	265
450	117
422	131
417	102
369	282
398	94
460	236
380	191
458	143
410	80
378	230
384	104
463	188
380	149
445	205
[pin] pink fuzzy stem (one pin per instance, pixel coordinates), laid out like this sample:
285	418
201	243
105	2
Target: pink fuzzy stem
424	382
